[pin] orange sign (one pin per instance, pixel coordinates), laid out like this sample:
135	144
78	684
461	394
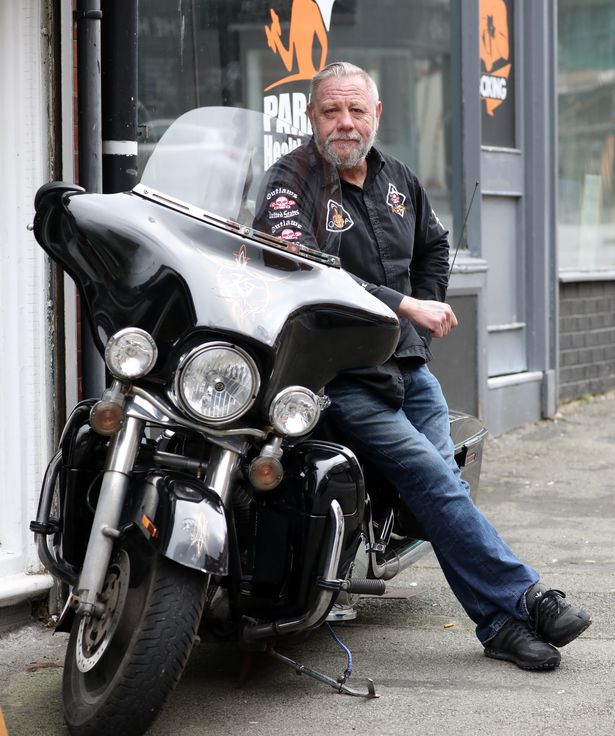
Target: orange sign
494	52
309	22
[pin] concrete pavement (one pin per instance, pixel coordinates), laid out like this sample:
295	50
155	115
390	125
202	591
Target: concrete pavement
549	488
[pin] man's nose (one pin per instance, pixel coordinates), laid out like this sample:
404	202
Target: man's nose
345	121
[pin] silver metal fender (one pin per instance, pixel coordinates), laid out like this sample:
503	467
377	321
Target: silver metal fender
183	519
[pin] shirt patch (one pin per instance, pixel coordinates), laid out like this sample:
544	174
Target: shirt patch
338	219
281	191
396	200
285	225
289	234
281	203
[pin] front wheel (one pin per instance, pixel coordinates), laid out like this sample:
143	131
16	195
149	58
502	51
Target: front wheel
121	667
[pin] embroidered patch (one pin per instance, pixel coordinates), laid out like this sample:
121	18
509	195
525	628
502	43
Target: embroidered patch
290	234
285	225
281	191
338	219
281	203
396	200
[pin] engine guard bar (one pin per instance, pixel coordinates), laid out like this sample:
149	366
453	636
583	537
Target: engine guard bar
255	632
43	527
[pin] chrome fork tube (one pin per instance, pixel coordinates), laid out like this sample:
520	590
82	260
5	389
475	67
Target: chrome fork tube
221	471
116	478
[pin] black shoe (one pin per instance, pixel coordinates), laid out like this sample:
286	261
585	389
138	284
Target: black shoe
556	621
516	642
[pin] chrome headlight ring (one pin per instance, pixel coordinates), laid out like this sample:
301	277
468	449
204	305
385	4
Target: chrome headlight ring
295	411
130	353
216	382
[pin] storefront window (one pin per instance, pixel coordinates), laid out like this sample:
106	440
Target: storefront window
260	54
586	94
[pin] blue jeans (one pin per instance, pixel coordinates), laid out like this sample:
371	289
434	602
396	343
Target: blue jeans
413	450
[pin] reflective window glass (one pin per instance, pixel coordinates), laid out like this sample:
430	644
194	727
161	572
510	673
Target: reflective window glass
261	54
586	95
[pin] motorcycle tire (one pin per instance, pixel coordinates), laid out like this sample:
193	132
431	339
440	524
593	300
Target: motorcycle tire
120	669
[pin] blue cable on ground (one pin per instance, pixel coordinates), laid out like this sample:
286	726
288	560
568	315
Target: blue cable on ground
348	671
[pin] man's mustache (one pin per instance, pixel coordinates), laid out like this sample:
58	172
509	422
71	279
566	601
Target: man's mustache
343	137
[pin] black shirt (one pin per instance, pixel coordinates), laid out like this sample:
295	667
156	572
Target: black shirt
386	234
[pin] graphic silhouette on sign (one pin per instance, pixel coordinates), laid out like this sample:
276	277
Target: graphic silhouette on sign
309	20
494	44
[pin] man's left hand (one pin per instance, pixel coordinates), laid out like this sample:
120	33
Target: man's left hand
437	317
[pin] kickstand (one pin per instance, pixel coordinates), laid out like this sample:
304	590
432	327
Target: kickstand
338	685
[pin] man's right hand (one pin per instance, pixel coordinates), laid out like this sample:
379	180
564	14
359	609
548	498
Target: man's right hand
437	317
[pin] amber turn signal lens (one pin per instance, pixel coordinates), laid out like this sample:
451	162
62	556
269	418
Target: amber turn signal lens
149	526
265	473
106	417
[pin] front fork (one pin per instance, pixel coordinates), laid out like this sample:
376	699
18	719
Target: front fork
220	475
121	458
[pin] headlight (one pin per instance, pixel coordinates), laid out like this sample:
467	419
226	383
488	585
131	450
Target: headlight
217	382
295	411
130	353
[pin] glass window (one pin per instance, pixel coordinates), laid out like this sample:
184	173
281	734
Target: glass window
586	94
261	54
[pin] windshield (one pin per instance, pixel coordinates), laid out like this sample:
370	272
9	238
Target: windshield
155	258
232	163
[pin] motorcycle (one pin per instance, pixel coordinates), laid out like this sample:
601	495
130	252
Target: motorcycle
200	488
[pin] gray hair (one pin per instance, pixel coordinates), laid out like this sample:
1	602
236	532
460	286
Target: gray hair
342	69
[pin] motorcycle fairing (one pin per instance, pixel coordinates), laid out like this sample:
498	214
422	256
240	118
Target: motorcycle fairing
188	519
138	263
288	560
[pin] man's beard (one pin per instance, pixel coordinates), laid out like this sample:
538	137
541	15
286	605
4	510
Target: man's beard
352	159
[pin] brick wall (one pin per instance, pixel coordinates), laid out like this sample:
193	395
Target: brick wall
587	338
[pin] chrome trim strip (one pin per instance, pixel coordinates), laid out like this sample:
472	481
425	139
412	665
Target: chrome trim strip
303	251
154	410
323	600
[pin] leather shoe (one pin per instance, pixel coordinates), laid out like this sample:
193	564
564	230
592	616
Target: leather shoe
552	618
516	642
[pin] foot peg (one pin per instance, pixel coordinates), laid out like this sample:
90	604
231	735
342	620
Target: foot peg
357	586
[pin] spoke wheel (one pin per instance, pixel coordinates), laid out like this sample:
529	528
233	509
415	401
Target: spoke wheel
121	667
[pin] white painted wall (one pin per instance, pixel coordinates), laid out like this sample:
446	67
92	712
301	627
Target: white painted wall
25	405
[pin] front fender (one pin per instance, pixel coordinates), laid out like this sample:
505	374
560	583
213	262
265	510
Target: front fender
184	520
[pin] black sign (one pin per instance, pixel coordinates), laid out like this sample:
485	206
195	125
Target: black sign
497	73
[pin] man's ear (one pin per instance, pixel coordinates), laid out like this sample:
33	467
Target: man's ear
378	111
309	111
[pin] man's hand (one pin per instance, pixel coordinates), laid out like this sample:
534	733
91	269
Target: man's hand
437	317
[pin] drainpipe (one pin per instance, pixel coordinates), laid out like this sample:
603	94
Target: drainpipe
119	95
88	18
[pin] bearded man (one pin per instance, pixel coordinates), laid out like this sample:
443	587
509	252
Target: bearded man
379	221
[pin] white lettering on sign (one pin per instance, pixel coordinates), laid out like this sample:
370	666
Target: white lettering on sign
493	88
290	109
274	149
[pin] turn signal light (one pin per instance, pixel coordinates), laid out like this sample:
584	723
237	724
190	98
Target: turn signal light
106	417
265	473
149	526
